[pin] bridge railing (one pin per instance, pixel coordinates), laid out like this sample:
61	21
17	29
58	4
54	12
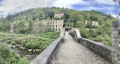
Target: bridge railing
99	48
76	34
46	56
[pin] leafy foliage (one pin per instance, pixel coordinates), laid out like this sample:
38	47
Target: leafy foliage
77	17
30	41
8	57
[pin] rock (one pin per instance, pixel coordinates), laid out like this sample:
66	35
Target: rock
115	24
28	56
119	46
13	46
9	45
29	50
34	50
114	34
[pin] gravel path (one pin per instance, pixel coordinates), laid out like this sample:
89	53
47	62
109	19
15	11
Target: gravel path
72	52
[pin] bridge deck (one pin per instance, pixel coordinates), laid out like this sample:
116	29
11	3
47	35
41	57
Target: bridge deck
72	52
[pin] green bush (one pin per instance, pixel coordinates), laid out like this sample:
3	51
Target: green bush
32	41
8	41
108	41
9	57
13	42
1	40
28	45
24	60
84	32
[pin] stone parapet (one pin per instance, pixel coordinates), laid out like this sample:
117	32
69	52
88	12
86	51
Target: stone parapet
99	48
116	42
46	56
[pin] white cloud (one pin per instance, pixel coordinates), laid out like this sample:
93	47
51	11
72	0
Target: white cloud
116	16
68	3
107	2
90	4
90	8
13	6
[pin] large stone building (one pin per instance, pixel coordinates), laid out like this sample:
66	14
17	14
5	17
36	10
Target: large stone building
44	25
58	15
56	24
95	23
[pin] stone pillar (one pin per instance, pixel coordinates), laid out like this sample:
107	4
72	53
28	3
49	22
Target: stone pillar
12	28
115	42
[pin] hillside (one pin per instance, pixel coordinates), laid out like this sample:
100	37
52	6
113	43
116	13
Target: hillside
100	33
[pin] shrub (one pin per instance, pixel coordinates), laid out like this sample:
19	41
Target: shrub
8	41
84	32
108	41
13	42
9	57
1	40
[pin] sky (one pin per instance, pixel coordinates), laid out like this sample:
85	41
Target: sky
13	6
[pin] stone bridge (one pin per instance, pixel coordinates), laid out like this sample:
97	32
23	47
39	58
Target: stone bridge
71	48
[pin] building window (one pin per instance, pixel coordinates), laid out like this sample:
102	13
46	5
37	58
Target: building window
56	25
53	25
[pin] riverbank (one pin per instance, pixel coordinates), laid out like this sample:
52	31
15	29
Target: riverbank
28	45
22	52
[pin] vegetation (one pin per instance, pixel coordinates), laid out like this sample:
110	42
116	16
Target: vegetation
25	20
28	36
30	41
101	33
8	57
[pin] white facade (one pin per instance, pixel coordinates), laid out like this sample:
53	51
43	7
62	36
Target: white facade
59	15
95	23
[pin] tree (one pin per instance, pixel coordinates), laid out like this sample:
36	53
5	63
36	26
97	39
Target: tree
84	32
9	57
93	18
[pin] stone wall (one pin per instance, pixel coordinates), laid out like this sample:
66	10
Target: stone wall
99	48
116	42
46	56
